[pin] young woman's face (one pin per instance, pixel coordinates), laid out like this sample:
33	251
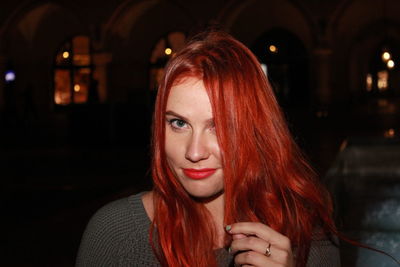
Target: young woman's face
191	143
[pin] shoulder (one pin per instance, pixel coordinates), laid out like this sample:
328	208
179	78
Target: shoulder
108	227
119	215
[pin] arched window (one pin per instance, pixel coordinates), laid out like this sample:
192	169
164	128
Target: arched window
73	72
165	48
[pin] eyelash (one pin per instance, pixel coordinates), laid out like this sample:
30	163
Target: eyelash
172	122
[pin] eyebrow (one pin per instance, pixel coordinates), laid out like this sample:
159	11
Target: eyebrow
172	113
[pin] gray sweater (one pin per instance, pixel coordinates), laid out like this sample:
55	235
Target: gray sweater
118	235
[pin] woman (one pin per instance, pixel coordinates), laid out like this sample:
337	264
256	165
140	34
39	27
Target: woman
230	184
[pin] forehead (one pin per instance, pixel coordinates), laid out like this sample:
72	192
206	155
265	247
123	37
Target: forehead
189	96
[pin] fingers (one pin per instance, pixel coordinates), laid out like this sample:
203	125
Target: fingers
238	236
252	241
249	243
260	230
259	246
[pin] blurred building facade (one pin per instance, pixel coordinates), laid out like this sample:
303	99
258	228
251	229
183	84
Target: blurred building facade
83	70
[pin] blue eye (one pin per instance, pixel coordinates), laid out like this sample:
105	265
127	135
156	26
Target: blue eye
177	123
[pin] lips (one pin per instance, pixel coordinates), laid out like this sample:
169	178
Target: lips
198	174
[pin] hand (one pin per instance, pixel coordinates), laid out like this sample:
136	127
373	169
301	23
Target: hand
255	244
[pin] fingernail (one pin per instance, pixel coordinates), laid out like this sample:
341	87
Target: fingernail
228	228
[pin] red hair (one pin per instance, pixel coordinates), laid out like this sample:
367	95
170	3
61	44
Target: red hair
266	178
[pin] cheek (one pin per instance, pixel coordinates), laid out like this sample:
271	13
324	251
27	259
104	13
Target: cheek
216	151
173	150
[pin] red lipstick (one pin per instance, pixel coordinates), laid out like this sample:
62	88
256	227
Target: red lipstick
198	174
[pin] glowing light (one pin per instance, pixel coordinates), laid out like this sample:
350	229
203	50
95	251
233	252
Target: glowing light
264	68
390	133
57	98
386	56
77	88
390	64
273	49
383	77
65	55
168	51
369	82
10	76
61	98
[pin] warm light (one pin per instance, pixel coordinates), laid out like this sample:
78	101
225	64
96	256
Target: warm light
383	77
57	98
390	133
61	98
168	51
273	49
369	82
390	64
77	88
386	56
65	55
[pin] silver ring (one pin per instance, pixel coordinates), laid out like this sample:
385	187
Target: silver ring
268	250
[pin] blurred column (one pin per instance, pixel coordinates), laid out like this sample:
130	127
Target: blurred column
101	61
323	71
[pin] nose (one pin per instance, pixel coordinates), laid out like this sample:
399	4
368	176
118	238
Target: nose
198	148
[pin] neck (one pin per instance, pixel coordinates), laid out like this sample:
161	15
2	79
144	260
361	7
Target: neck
216	207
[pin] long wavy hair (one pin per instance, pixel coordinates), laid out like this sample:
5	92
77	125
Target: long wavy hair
266	178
